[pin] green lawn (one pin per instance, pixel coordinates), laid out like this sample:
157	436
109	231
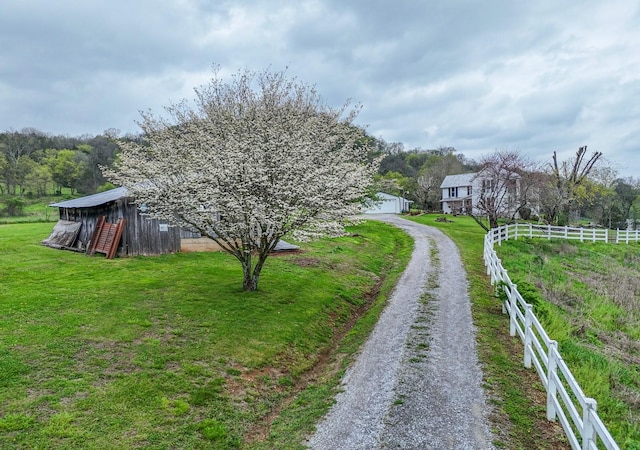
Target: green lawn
33	209
587	296
168	352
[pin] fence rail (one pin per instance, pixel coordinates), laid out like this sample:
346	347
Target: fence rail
566	402
514	231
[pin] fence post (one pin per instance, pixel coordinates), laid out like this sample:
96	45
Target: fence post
530	231
549	232
513	317
528	322
552	368
504	303
588	430
581	234
487	255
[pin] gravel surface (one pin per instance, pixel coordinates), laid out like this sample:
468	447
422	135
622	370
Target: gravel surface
416	383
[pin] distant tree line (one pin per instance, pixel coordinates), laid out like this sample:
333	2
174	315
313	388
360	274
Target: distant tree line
36	164
416	174
581	188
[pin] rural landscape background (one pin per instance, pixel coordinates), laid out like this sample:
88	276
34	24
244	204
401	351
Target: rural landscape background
167	351
539	99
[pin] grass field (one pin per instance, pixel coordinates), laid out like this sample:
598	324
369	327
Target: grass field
33	209
168	352
588	297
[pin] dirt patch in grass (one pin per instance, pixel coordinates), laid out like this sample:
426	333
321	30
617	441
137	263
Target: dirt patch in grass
621	347
104	359
306	262
622	286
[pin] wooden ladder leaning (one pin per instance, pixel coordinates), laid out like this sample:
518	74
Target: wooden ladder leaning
106	237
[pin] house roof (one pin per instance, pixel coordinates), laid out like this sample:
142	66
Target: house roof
384	195
94	200
463	179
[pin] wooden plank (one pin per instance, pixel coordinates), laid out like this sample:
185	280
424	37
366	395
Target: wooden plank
106	237
91	248
64	234
117	234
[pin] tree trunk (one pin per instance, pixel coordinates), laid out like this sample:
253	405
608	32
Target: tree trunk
250	283
251	275
479	222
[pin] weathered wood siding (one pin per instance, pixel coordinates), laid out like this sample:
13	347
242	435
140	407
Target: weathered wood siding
141	236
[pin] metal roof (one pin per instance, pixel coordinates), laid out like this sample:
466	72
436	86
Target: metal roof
463	179
283	246
384	195
94	200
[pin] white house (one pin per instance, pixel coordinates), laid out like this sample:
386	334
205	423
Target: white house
461	194
387	204
458	193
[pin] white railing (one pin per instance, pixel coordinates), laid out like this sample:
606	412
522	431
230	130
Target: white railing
627	236
514	231
576	412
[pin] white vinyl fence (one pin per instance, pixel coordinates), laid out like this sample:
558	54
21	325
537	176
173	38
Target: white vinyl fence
565	399
516	230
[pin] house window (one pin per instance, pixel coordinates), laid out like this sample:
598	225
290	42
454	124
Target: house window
453	192
488	185
468	190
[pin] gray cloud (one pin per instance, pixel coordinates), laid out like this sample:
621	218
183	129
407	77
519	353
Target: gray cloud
529	76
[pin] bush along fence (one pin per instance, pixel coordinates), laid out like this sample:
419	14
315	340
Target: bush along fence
565	400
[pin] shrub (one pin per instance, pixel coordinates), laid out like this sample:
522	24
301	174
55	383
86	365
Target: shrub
525	213
14	206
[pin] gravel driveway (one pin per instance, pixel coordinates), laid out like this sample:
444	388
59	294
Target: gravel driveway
416	383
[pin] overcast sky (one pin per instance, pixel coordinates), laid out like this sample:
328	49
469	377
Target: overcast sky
536	77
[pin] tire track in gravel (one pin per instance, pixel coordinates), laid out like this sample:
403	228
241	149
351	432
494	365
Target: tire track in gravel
417	382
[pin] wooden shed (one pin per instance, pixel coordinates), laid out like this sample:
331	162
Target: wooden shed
141	235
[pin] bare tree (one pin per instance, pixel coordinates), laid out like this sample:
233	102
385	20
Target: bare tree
506	184
565	178
439	163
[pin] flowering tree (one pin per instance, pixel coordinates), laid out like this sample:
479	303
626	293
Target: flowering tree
257	157
506	183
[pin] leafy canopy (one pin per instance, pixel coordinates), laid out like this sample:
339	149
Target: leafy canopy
258	157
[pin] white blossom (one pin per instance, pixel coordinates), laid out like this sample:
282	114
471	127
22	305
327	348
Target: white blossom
256	158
